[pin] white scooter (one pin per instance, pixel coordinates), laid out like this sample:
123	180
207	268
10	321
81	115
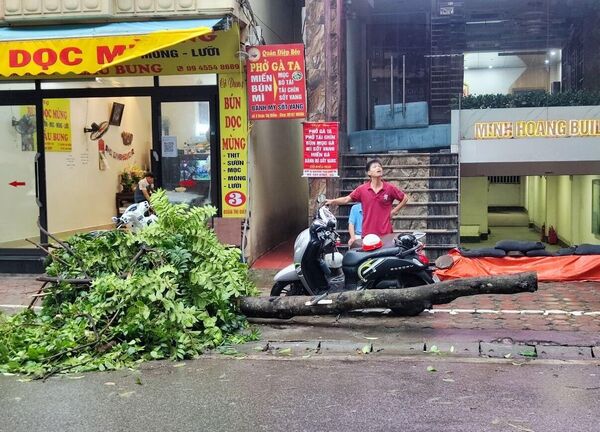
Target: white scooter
135	217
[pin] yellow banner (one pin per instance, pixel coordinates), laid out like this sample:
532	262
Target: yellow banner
234	144
84	55
57	125
212	53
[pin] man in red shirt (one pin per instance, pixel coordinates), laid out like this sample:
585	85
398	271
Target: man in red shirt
377	198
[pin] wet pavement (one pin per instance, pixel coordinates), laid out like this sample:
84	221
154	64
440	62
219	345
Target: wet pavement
560	320
354	393
526	362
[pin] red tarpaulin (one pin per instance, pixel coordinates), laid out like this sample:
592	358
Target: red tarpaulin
555	268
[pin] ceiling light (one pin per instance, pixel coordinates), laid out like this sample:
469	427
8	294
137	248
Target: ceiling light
466	67
552	53
490	66
547	61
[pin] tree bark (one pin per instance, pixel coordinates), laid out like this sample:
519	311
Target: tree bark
52	279
408	299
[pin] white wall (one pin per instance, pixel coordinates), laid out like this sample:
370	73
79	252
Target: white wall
491	81
506	80
80	195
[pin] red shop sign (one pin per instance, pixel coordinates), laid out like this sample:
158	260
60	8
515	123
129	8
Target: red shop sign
321	144
276	81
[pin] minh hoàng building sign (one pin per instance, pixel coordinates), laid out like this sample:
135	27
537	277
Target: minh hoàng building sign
537	129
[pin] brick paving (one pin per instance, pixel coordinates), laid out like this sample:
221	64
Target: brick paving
559	307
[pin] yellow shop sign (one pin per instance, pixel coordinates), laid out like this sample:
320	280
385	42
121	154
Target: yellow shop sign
211	53
537	129
233	120
165	52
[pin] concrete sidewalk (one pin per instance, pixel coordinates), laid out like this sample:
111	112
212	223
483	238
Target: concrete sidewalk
560	320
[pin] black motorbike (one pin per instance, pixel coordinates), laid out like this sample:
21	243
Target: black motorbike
319	268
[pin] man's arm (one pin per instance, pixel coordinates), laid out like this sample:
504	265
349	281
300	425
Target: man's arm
339	201
146	194
402	203
352	233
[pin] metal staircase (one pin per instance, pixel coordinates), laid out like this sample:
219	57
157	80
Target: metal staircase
430	179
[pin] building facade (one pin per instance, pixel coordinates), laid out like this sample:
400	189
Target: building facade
77	137
509	87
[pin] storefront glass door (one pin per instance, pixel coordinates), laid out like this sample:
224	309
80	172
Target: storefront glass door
397	65
96	151
187	160
18	188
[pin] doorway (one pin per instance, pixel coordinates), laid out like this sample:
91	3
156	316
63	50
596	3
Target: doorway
19	191
68	149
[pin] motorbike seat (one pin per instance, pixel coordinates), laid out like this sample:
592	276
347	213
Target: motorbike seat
353	258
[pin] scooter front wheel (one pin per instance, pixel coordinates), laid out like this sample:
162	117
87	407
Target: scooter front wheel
282	289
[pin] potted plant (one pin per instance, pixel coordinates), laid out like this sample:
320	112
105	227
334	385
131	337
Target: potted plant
129	178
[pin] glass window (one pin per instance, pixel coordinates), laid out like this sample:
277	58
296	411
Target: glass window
98	82
186	152
17	85
84	171
19	212
188	80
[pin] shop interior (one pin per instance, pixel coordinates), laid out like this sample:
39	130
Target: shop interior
96	150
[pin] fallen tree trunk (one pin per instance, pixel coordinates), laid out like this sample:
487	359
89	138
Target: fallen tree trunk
405	299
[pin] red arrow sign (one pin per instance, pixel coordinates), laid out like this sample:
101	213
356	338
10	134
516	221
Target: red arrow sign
17	183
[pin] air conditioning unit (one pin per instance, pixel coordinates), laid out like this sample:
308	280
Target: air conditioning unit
191	8
56	10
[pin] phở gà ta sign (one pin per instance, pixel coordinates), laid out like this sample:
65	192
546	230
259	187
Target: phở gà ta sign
276	82
537	129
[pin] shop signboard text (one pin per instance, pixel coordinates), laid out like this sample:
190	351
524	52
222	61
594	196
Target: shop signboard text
321	149
233	119
276	80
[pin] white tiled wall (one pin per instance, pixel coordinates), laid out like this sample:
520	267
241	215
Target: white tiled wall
33	10
178	7
18	10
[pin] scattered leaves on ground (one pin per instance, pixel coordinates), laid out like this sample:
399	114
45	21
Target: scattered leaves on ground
165	292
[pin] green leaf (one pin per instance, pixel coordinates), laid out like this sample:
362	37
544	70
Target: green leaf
528	353
431	369
176	301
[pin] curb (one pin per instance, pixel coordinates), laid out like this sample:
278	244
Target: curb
502	349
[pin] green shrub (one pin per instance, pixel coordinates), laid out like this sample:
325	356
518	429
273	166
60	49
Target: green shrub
165	292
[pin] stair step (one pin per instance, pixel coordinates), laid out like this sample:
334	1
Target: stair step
388	179
444	165
416	190
450	182
428	196
417	203
398	153
410	171
410	217
432	251
426	231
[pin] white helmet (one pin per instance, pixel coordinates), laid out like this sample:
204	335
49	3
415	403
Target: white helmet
371	242
334	260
